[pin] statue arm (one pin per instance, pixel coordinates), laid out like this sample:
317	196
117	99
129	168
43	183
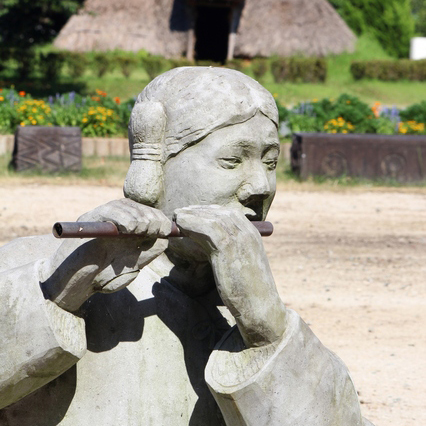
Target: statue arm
295	381
40	341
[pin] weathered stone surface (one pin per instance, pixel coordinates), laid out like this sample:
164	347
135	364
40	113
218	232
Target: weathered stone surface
398	157
50	149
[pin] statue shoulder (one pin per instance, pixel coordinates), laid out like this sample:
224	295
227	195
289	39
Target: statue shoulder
24	250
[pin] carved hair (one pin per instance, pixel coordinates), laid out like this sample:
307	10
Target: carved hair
180	108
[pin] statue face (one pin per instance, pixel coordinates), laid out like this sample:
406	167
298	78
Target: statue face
233	167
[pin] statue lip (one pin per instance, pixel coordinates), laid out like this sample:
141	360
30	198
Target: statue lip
253	210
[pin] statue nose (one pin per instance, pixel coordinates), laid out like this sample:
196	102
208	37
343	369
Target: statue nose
255	188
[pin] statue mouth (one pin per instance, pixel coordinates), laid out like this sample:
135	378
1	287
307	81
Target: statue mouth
254	210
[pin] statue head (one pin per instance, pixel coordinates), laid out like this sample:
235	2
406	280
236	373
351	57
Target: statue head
183	108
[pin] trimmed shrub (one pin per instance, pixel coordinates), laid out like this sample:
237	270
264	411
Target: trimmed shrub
260	67
127	62
181	62
77	63
236	64
402	69
50	64
101	63
153	65
298	70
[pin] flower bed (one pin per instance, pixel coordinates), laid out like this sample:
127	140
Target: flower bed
98	115
101	115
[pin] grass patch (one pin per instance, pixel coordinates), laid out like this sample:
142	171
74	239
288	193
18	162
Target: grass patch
107	171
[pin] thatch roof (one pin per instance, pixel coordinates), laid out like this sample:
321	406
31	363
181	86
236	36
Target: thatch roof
165	27
291	27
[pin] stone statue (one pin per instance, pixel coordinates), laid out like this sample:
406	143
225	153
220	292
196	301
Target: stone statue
189	331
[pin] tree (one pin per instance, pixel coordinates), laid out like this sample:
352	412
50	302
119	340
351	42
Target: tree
25	23
390	21
419	13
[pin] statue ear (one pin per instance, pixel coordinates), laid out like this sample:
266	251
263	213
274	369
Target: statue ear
144	180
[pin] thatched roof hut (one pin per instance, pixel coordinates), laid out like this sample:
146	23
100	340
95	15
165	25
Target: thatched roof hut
208	29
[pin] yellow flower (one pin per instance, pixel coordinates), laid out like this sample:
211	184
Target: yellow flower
1	98
34	110
30	117
315	100
344	131
334	131
22	123
34	122
84	120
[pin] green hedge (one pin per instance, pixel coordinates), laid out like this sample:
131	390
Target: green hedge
403	69
299	70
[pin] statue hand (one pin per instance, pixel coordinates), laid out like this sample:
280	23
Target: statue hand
79	268
241	269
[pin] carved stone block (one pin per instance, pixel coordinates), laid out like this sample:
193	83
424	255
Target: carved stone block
398	157
51	149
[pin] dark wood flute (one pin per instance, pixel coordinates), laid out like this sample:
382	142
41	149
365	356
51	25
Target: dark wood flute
108	229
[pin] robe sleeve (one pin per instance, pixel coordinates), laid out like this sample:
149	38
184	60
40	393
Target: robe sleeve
39	340
293	382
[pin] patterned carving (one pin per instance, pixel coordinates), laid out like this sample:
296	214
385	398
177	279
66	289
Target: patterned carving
393	165
334	164
50	149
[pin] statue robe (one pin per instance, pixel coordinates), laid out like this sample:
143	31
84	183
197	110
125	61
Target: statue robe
151	355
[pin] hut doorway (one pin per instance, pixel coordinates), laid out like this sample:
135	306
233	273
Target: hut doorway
212	27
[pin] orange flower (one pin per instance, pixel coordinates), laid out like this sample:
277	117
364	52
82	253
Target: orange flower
101	93
117	100
96	98
22	93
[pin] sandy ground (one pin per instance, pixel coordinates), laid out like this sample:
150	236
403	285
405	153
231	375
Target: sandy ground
352	263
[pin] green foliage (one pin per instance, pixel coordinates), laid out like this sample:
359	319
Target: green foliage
126	61
299	69
181	62
50	64
25	23
390	21
419	12
416	112
260	67
303	123
77	63
402	69
153	65
347	114
236	64
101	63
26	61
96	115
283	112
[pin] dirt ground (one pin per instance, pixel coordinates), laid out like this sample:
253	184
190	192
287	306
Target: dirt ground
352	263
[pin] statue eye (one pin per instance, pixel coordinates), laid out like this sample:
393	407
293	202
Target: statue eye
229	162
271	164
